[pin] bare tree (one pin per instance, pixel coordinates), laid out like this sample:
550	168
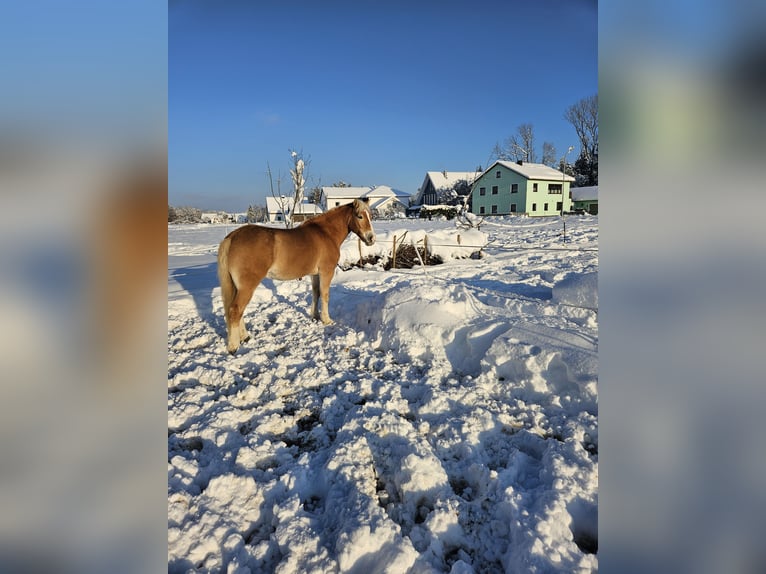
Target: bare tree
518	147
549	154
298	169
523	143
584	119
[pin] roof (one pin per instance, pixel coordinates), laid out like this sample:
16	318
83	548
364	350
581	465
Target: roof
347	192
589	193
533	171
387	191
371	192
448	179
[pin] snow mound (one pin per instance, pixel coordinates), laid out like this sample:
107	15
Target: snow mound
446	244
578	290
423	323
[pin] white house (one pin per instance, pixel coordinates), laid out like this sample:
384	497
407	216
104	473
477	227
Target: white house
278	208
305	210
281	209
384	200
336	196
214	217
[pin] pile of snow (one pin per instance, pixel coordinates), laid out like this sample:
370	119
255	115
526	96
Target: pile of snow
578	289
449	243
447	422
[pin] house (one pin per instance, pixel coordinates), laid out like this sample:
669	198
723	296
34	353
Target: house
305	210
384	200
534	189
388	202
445	187
585	199
280	209
335	196
214	217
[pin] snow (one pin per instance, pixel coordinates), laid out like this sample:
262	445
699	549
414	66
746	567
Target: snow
447	421
589	193
533	170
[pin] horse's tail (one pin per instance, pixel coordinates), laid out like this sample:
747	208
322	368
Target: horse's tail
228	289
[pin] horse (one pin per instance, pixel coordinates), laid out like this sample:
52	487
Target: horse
252	252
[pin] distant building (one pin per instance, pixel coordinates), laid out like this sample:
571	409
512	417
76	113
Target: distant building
384	201
586	199
214	217
445	187
304	211
534	189
280	209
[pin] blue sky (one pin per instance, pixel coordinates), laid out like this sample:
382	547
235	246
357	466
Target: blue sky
372	92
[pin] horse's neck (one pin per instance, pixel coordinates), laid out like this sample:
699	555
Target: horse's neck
337	226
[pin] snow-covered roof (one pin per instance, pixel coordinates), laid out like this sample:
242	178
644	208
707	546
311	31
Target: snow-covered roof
346	192
387	191
373	193
589	193
448	179
533	170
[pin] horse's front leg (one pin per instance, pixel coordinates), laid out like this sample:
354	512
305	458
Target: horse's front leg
324	279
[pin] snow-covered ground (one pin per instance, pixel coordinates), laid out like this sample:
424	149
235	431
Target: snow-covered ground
447	421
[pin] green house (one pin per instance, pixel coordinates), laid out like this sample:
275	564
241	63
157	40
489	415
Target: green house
533	189
585	199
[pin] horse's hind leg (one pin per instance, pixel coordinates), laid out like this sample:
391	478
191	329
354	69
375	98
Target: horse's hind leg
315	298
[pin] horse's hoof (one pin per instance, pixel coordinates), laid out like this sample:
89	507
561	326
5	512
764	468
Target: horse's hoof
246	339
234	352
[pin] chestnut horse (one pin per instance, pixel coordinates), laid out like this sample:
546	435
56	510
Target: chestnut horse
252	252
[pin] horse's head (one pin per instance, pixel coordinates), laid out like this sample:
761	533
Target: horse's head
361	221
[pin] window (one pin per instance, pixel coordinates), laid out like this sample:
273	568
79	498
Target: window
534	187
558	206
514	188
494	190
482	191
545	207
497	174
482	211
513	208
494	209
554	188
337	203
534	207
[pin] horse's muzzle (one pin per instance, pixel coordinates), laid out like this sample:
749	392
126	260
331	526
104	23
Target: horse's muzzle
369	239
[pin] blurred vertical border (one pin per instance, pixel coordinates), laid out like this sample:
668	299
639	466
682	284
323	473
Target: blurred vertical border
83	255
682	281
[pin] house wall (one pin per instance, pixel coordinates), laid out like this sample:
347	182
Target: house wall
429	196
590	206
526	200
